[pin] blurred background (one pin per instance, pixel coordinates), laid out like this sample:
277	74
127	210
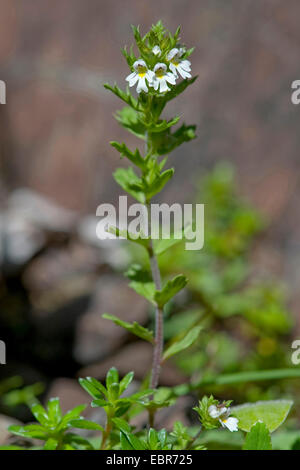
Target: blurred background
56	164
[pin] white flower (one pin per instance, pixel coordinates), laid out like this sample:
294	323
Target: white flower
156	50
161	77
230	423
222	413
140	74
177	65
216	412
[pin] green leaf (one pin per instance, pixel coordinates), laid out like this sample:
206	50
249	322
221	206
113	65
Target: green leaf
163	244
135	442
135	157
258	438
130	182
158	183
54	410
140	240
122	424
51	444
134	328
126	381
163	125
141	282
249	376
34	431
112	377
124	96
273	413
179	88
85	424
130	119
100	403
184	343
170	290
168	141
40	414
96	390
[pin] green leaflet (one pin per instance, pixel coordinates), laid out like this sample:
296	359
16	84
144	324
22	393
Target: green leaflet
258	438
124	96
184	343
273	413
130	182
135	157
170	290
134	328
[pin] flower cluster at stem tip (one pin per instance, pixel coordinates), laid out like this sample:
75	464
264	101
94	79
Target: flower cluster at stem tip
161	65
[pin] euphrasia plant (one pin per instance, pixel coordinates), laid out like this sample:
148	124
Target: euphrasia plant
160	72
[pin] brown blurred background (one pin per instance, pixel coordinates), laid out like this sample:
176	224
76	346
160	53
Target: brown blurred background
56	126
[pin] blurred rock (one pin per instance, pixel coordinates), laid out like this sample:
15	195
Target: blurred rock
5	422
97	337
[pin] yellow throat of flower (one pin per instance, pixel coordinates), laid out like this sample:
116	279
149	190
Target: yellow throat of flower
141	70
160	73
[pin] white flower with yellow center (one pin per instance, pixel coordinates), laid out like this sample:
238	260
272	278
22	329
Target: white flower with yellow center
177	65
161	78
222	414
140	74
156	50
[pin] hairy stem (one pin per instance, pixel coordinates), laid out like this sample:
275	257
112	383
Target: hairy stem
159	326
159	322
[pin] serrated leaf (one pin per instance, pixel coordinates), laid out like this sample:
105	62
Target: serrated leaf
134	328
163	125
158	183
183	343
124	96
170	290
135	157
140	240
141	282
273	413
258	438
130	182
130	119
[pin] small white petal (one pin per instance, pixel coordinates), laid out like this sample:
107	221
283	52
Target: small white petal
163	85
150	75
172	53
173	69
213	411
156	50
133	80
170	77
183	72
130	77
230	423
186	65
142	85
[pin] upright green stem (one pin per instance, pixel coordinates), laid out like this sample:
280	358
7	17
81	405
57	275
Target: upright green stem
159	325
